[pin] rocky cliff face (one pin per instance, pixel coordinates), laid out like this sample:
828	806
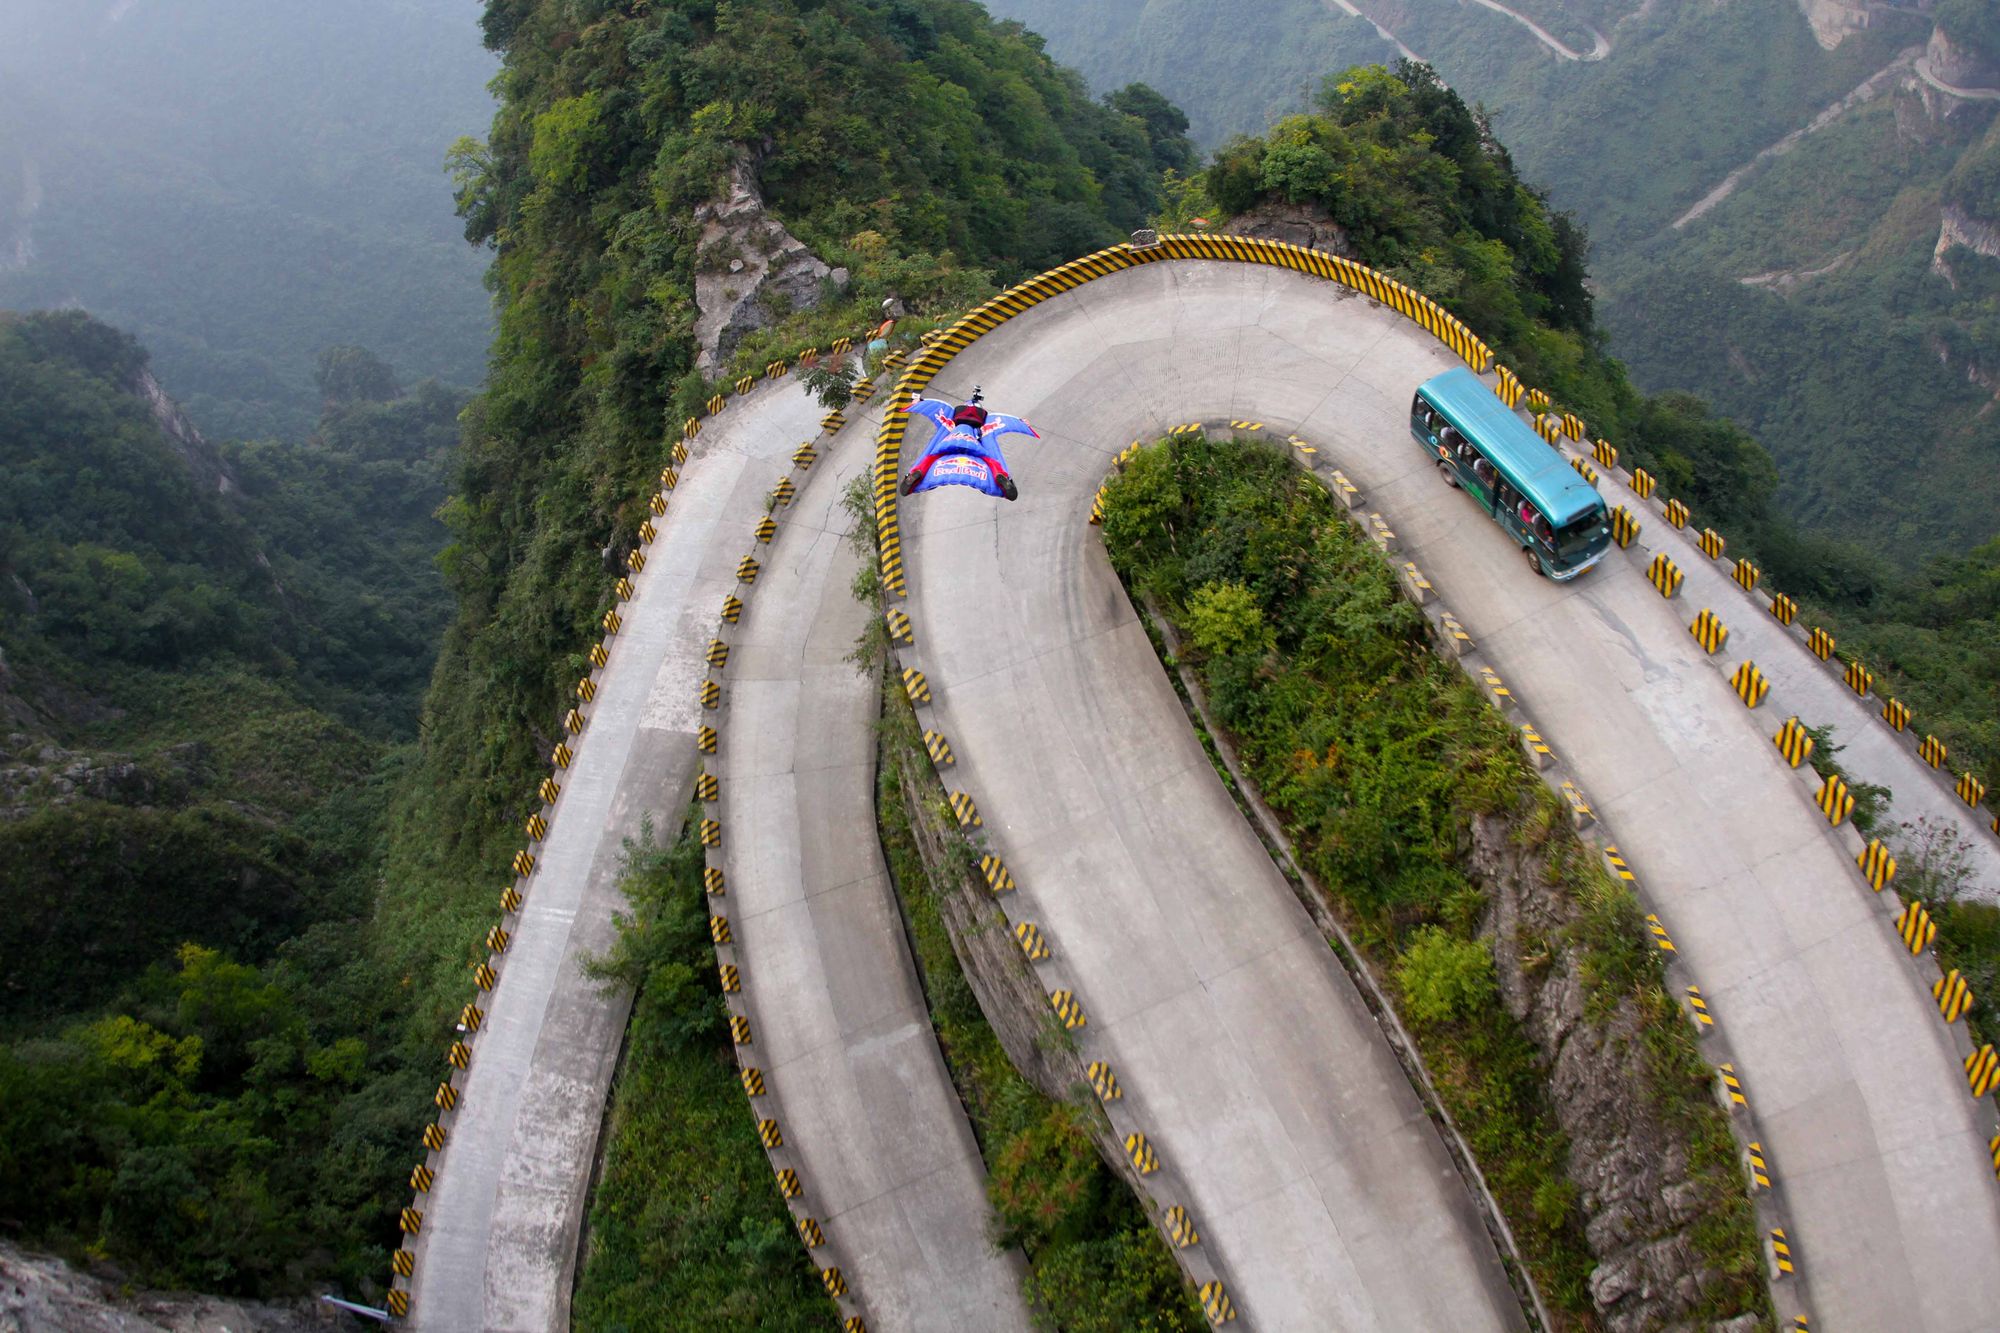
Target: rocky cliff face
43	1295
198	454
1630	1166
1957	227
1959	66
1297	224
1832	20
749	272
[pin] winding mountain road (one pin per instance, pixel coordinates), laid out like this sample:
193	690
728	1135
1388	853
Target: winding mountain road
1315	1179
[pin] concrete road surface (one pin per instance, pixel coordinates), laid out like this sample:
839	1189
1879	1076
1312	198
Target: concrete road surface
1238	1037
1316	1178
839	1024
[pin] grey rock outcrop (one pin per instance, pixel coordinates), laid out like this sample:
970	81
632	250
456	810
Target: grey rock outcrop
1297	224
39	1294
200	457
1630	1167
749	272
1958	228
1832	20
1959	66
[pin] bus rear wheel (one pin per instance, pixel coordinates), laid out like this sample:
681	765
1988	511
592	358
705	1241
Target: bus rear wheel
1534	561
1445	470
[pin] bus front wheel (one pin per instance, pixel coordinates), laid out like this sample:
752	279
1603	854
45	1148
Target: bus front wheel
1445	471
1534	561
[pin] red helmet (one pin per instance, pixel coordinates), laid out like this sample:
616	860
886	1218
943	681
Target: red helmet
969	415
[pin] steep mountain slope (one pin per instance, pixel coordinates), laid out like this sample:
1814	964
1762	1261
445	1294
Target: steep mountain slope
1845	376
242	185
1853	285
206	656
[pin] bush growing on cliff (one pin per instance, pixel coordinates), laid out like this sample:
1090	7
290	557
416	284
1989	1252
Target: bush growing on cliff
1442	978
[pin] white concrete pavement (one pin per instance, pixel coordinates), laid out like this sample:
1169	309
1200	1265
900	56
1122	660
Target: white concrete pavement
1815	690
1237	1036
839	1024
498	1245
1313	1171
1203	981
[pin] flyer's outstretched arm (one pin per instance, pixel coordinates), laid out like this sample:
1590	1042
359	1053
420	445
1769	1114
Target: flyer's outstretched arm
1000	424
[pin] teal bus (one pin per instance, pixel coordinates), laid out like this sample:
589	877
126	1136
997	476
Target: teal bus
1482	448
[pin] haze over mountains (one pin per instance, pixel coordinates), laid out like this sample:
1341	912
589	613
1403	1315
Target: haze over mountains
1837	298
242	184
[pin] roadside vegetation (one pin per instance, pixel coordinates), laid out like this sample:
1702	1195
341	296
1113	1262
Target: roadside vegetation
687	1228
207	699
1384	764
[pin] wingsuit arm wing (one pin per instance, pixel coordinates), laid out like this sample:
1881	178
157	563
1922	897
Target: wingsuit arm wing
935	411
1000	424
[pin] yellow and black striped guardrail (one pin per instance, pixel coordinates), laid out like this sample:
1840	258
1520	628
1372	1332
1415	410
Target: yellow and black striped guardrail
1709	631
1834	800
1664	574
1624	527
1749	684
1982	1071
1878	867
1953	994
1760	1173
1915	927
1734	1098
998	878
1024	296
1746	575
1794	742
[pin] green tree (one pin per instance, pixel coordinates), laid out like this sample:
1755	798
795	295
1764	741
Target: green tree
1442	977
347	375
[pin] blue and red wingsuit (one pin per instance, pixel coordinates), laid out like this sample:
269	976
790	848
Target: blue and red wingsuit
964	448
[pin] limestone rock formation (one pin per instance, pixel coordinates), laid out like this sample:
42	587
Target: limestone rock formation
749	272
1298	224
201	458
1832	20
1959	66
1957	227
1630	1167
39	1294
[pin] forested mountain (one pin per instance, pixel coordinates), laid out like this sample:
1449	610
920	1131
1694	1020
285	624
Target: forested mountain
212	653
1807	303
242	184
611	133
207	655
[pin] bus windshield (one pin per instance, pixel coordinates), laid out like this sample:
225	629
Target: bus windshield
1576	537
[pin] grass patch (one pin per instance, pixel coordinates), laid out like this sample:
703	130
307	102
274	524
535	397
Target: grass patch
1379	759
687	1229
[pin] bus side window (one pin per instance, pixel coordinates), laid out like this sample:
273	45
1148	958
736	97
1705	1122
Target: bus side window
1483	469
